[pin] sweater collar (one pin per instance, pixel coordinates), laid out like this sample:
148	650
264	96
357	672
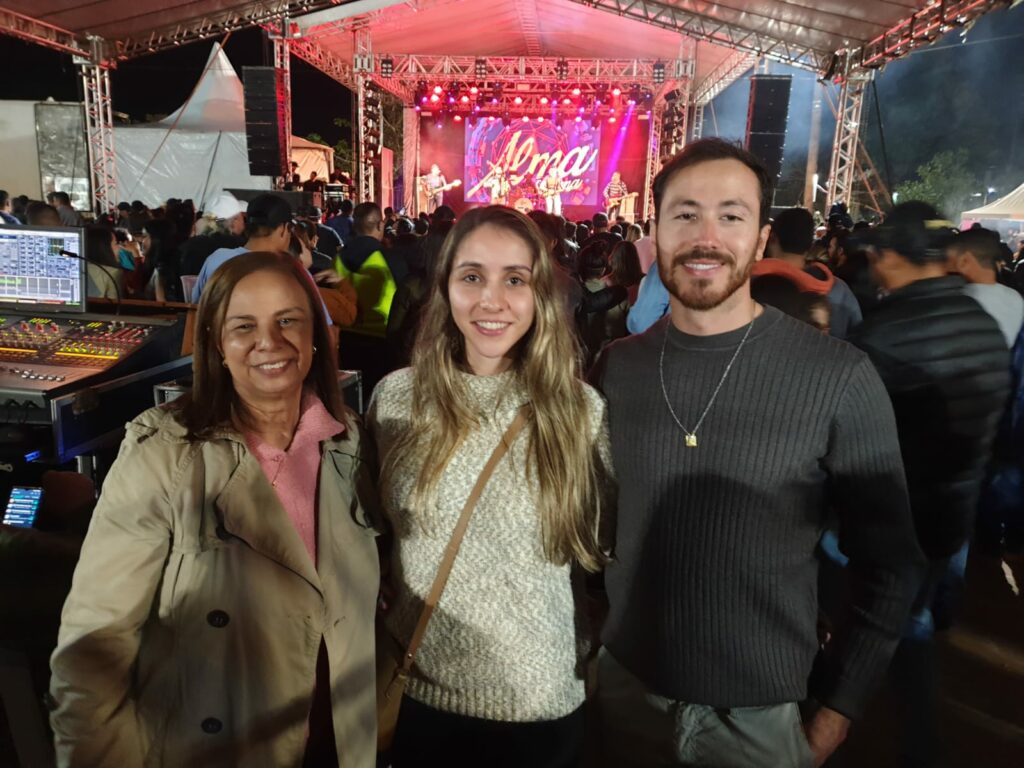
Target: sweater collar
491	394
763	323
931	286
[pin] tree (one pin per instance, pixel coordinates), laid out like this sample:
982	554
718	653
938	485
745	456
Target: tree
343	155
946	181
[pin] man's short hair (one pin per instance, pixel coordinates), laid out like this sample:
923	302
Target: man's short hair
916	231
704	151
265	213
443	213
346	207
600	220
794	229
40	214
61	198
983	244
4	197
366	217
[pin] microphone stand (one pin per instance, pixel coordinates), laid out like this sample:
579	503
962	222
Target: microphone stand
117	288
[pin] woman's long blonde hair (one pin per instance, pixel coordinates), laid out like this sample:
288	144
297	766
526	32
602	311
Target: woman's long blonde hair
560	450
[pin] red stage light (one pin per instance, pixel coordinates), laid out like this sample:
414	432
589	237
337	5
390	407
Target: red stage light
540	119
474	90
490	118
611	119
438	89
579	119
575	91
464	99
458	118
616	91
526	119
518	99
543	99
435	98
567	100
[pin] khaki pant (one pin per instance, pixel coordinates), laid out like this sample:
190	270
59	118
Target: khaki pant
640	728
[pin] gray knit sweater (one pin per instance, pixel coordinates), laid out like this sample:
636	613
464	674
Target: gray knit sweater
713	589
504	643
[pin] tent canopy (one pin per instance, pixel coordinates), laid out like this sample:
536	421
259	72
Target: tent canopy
200	148
572	28
1009	206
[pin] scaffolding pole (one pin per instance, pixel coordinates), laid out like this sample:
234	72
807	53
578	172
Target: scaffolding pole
362	63
410	158
99	128
653	156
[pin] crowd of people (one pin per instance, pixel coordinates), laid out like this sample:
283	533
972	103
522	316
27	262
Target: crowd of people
674	493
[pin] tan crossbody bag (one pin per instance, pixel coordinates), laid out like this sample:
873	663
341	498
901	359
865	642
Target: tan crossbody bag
394	665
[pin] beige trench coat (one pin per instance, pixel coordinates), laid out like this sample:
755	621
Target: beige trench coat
191	633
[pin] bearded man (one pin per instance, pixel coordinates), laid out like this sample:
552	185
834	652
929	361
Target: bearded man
736	432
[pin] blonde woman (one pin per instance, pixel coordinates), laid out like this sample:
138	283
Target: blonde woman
497	679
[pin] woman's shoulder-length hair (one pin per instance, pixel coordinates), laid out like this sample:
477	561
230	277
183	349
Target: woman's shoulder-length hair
212	400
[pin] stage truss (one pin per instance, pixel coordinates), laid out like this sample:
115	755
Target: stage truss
850	68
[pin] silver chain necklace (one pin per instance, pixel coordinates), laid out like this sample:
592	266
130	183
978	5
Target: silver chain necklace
691	435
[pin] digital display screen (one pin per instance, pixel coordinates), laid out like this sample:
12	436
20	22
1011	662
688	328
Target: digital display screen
22	506
526	152
33	271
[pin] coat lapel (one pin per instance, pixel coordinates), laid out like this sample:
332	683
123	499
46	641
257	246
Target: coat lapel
250	510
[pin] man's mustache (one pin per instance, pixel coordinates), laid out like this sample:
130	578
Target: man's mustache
700	254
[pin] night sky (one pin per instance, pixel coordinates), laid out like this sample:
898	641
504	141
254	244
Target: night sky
960	92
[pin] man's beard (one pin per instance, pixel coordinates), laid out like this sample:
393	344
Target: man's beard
698	293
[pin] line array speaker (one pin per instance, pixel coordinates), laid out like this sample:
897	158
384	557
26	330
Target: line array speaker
767	116
265	121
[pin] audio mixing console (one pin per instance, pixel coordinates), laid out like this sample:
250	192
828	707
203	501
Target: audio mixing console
44	354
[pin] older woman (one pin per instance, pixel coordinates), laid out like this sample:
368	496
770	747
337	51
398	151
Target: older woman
222	610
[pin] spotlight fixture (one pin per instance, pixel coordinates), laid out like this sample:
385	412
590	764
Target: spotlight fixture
458	118
540	119
567	101
474	90
611	118
438	90
387	67
480	68
517	100
544	100
434	98
576	91
616	91
658	74
464	99
562	69
526	119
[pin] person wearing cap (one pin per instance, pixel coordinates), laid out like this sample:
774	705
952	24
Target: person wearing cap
328	240
268	228
222	225
945	365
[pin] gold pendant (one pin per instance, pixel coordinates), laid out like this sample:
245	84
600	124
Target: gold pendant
691	441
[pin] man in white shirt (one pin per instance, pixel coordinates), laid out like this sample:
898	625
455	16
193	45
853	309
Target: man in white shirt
973	255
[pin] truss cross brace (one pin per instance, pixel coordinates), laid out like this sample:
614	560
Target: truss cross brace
99	128
847	135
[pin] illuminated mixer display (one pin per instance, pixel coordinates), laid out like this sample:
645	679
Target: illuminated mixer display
56	349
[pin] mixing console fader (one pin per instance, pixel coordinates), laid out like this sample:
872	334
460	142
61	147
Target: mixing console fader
44	356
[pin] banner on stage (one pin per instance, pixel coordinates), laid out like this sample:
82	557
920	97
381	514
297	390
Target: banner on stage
526	152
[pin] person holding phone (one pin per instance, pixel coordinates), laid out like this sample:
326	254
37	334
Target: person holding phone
222	610
497	678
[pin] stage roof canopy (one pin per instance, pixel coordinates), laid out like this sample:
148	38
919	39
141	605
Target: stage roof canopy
798	31
1010	206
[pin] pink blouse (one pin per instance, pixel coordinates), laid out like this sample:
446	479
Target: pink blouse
294	472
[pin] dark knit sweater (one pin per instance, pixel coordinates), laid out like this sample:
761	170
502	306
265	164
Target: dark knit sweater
713	590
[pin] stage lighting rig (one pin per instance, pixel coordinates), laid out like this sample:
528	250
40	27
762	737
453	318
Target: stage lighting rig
480	68
387	67
658	73
562	69
601	92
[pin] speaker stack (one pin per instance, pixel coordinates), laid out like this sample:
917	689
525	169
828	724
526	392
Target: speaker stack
265	121
767	115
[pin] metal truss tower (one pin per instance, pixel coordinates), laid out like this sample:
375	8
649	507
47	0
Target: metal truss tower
99	128
847	135
282	63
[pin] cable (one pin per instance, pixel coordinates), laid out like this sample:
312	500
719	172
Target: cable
117	288
881	136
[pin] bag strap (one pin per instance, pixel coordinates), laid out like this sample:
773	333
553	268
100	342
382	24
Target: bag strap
448	560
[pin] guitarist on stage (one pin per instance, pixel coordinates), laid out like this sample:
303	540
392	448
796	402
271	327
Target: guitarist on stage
435	185
613	194
551	189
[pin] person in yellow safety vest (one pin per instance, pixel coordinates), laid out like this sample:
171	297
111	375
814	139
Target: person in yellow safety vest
374	272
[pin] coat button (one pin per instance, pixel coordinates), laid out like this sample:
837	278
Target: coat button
212	725
217	619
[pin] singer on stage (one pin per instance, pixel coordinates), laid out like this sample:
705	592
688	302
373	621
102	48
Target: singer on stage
435	184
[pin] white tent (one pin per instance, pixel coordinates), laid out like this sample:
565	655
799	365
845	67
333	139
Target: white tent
1009	206
200	149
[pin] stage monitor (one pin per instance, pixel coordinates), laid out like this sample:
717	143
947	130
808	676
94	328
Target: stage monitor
35	276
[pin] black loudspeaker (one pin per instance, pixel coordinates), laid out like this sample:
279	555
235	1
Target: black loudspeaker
264	121
767	116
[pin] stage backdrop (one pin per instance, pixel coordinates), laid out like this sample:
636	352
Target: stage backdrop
586	152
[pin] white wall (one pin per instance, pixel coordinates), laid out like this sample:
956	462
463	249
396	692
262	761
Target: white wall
19	170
